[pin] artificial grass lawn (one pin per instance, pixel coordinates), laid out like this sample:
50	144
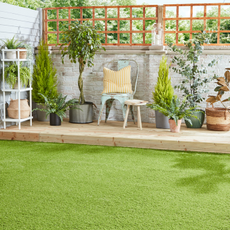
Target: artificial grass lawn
64	186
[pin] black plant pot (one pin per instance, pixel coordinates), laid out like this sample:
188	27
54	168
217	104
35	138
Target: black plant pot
55	119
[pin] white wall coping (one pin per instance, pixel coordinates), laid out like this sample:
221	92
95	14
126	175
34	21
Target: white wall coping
148	50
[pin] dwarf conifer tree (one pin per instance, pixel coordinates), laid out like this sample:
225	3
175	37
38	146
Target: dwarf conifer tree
44	75
163	90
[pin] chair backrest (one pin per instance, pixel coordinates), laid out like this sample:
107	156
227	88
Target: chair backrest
118	64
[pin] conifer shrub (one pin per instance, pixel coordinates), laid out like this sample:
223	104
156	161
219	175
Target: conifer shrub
44	75
163	90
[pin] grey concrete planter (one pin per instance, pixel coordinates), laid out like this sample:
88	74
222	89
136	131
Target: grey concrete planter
83	115
162	122
41	116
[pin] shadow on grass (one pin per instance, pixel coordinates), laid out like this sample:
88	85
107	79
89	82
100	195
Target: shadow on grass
206	172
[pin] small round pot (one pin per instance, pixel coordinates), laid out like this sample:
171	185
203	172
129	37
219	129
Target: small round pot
11	55
173	127
83	115
196	123
55	119
22	53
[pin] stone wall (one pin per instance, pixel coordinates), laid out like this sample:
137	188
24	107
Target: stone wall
148	72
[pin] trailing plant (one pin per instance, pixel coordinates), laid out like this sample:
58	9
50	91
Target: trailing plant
44	75
223	86
11	43
163	89
175	110
58	105
83	41
188	66
11	74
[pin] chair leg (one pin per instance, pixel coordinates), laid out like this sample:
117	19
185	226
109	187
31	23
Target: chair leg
139	117
101	110
126	117
108	107
132	112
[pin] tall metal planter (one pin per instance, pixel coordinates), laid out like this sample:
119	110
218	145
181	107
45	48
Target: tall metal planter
83	115
162	122
41	116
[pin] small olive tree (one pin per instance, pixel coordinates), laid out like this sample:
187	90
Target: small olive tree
187	61
82	42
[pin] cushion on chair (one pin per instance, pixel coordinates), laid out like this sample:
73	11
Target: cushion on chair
117	81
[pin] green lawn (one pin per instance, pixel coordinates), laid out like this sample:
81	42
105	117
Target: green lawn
65	186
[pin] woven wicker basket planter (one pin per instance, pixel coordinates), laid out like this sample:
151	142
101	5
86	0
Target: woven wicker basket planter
23	53
13	109
218	119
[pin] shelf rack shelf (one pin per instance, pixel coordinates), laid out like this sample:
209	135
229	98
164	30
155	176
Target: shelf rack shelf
16	91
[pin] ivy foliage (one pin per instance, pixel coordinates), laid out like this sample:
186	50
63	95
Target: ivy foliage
11	74
187	64
44	75
163	89
83	41
57	105
175	110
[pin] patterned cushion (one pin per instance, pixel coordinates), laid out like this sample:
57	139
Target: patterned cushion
117	81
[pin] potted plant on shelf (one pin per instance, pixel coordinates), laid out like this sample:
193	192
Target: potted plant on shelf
175	111
163	93
44	80
56	108
11	75
218	118
11	44
23	51
194	84
83	41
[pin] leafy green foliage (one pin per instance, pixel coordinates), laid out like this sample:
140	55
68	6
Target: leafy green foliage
193	84
176	110
58	105
11	74
11	43
163	89
44	75
83	41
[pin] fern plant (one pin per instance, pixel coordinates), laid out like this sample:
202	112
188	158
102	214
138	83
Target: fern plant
58	105
163	89
11	74
175	110
11	43
44	75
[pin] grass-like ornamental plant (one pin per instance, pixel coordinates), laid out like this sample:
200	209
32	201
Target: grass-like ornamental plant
11	74
44	75
163	89
83	41
175	110
58	105
223	86
187	61
11	43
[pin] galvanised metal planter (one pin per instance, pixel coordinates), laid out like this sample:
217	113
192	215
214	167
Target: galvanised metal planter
162	122
83	115
41	116
196	123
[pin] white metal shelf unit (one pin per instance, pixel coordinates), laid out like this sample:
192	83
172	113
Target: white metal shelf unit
17	91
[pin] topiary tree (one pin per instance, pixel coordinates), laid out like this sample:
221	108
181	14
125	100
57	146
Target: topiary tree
163	90
83	41
44	76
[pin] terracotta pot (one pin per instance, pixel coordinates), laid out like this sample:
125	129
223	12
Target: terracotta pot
13	109
22	53
173	127
218	119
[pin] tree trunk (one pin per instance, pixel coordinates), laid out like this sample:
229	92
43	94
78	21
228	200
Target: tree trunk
80	81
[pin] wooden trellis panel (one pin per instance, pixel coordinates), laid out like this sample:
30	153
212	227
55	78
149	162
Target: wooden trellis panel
191	18
57	33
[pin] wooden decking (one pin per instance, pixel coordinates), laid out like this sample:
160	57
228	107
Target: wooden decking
112	134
